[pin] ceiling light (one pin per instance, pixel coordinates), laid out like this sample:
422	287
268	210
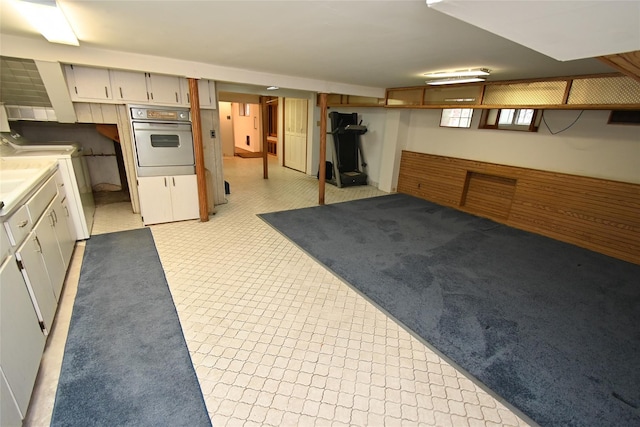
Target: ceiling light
460	73
430	2
455	81
49	20
273	88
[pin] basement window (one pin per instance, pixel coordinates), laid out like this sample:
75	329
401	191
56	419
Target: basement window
521	119
624	117
456	117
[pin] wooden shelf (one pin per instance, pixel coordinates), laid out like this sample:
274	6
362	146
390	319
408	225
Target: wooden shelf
613	91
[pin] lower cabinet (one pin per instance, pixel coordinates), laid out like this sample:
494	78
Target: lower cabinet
168	198
58	218
36	277
37	245
22	342
9	413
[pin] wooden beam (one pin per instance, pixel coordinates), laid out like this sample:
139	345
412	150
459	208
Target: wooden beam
198	150
628	63
322	173
264	113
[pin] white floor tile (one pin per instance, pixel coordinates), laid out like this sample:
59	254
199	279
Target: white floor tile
275	338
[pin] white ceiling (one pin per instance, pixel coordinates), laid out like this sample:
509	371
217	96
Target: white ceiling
377	44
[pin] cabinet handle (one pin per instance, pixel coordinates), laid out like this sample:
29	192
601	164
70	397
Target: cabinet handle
23	223
52	221
165	181
37	242
176	96
174	181
55	217
121	93
188	99
106	92
152	96
66	210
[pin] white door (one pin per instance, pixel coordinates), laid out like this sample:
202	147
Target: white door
295	134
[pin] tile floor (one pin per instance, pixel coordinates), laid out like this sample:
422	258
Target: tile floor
275	338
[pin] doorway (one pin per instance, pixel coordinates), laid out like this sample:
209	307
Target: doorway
240	129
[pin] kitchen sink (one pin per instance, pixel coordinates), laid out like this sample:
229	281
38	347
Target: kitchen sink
17	179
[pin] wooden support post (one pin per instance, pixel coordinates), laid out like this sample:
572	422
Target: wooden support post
264	113
198	150
322	173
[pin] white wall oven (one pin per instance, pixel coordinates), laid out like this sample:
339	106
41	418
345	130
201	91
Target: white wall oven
163	141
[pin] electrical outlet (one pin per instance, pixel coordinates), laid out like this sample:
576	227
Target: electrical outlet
212	133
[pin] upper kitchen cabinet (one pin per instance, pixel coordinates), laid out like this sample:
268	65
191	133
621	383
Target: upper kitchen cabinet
164	89
129	86
101	85
88	84
206	92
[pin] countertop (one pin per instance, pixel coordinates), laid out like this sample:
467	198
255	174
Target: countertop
20	175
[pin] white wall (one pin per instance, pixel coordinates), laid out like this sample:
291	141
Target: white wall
589	148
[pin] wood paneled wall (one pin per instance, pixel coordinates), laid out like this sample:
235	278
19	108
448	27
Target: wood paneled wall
597	214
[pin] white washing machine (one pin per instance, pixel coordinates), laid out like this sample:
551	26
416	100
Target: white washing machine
75	176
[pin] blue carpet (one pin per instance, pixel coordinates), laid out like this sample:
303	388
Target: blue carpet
551	328
126	362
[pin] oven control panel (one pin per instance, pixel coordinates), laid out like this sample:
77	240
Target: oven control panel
160	114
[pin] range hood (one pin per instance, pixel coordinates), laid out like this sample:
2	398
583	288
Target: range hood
34	90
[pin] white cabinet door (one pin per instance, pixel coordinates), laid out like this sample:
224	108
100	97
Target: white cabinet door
164	89
168	198
87	83
37	279
21	339
184	197
9	413
45	231
63	225
206	93
129	86
155	199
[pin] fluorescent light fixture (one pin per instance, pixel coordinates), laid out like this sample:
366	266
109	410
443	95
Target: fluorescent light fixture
49	20
460	73
455	81
273	88
430	2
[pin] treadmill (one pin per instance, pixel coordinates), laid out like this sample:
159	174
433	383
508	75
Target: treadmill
347	152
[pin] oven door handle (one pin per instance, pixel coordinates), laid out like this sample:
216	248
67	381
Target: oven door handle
161	126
